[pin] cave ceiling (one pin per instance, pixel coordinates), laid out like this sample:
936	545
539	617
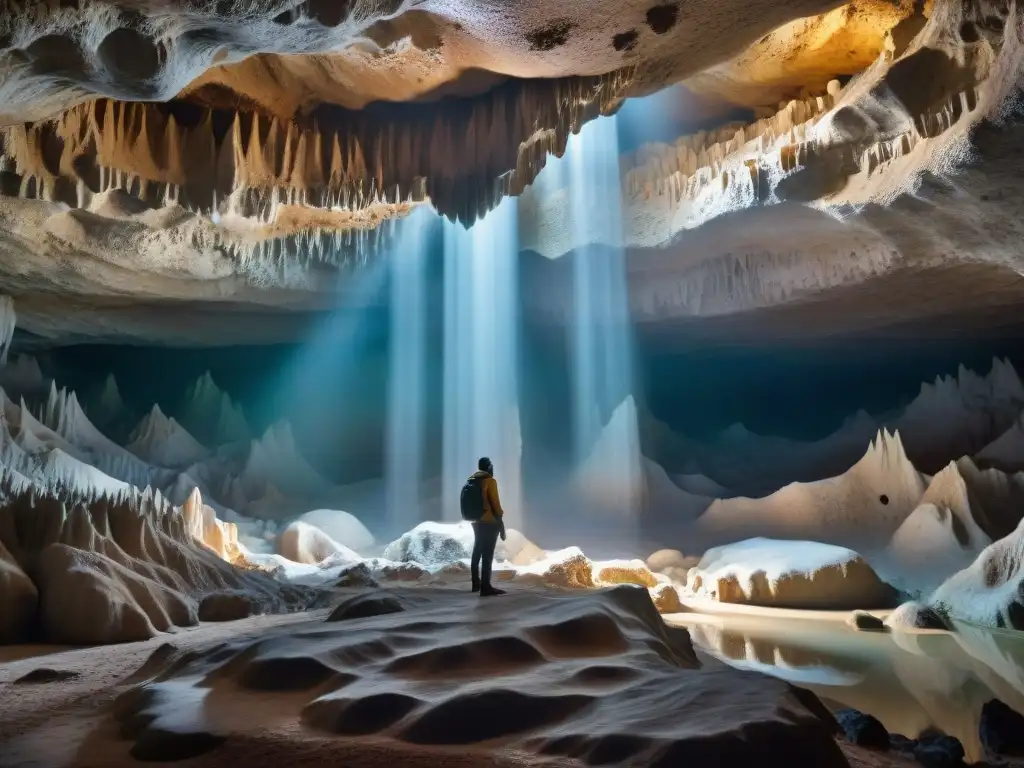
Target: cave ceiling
219	173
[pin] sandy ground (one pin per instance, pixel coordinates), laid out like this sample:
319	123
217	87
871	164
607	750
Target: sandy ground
68	723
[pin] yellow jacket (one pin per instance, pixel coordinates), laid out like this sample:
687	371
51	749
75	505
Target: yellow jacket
492	504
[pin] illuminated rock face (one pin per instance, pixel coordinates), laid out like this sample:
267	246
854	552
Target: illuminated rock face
116	567
808	221
230	157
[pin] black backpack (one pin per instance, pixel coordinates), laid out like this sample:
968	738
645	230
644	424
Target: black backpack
472	499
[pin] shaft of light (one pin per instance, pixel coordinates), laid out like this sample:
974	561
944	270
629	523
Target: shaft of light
406	419
481	352
600	333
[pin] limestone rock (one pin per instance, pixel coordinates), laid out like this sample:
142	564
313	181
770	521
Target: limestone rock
670	561
19	599
574	572
789	574
916	616
1001	730
88	599
666	599
432	544
358	575
626	573
990	590
862	729
304	543
227	606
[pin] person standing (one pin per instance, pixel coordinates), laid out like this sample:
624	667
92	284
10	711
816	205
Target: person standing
481	506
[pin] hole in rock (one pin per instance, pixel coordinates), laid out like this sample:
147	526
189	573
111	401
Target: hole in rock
884	499
661	18
625	41
550	37
969	32
129	54
330	13
55	54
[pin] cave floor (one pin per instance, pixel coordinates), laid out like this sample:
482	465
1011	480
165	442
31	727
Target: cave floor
66	722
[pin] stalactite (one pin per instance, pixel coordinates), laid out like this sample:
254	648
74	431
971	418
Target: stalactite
464	155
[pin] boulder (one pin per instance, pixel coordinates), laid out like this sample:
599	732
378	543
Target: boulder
357	575
305	543
1001	730
625	572
666	599
789	574
229	605
433	544
916	616
938	751
342	527
990	591
862	729
401	572
666	560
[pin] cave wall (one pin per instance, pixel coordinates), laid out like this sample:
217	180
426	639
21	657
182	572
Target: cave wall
337	401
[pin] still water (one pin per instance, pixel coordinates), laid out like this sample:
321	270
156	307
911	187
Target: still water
909	681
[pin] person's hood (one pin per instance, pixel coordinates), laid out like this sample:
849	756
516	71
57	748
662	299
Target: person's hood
479	473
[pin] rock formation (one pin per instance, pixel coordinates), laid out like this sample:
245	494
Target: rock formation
115	567
211	415
789	574
988	591
861	508
160	440
224	159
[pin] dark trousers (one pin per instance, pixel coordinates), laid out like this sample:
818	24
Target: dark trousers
485	539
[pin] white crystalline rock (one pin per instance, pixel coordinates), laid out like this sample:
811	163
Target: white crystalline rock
160	440
990	591
342	527
7	323
788	574
210	415
434	545
939	538
863	507
63	415
274	460
55	466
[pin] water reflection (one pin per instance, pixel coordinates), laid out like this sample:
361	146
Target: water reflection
909	681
